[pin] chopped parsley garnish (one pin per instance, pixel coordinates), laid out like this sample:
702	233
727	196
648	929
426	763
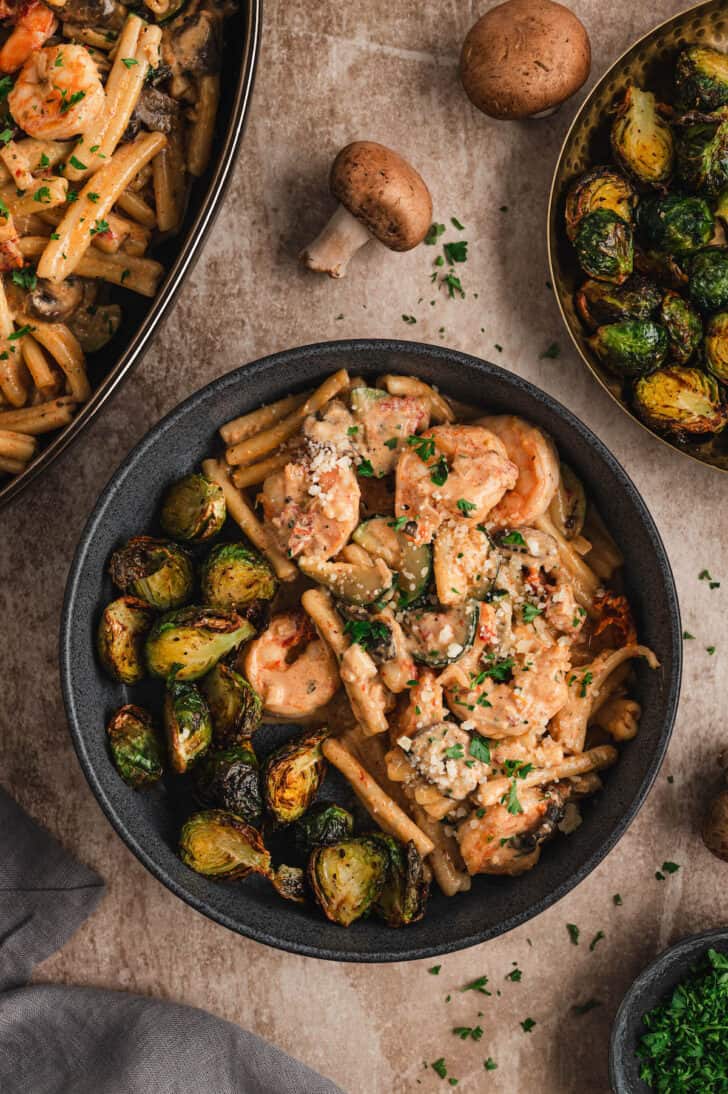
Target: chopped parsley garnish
4	211
596	940
466	507
74	162
530	611
92	197
439	473
453	285
366	632
456	224
515	975
584	1008
670	867
687	635
6	135
513	539
455	752
58	63
552	351
585	682
43	161
511	801
573	933
398	524
129	62
20	332
456	252
6	86
710	650
472	1032
527	1025
478	985
124	275
423	446
435	970
391	443
352	431
75	98
25	278
617	899
439	1067
500	670
100	226
43	195
490	1064
365	469
480	748
409	319
71	196
436	230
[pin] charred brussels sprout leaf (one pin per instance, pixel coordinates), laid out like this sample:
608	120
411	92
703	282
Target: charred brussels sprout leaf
708	285
236	707
229	779
292	776
662	267
323	824
681	401
193	509
290	883
188	643
701	78
642	140
135	747
220	844
122	629
604	246
632	347
702	156
599	302
683	325
600	188
347	878
674	223
156	571
716	345
233	576
403	898
187	723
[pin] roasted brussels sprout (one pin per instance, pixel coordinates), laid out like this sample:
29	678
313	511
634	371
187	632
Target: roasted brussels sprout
600	188
290	883
716	345
188	643
347	878
193	509
708	284
604	246
228	778
599	302
156	571
642	140
702	156
632	347
721	208
292	776
122	629
236	707
220	844
701	78
403	898
187	723
135	746
674	223
683	325
662	267
233	575
681	401
324	823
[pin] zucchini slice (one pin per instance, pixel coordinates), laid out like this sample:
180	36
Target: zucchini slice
440	636
382	539
350	581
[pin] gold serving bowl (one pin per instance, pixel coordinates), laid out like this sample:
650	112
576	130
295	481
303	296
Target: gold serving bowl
650	63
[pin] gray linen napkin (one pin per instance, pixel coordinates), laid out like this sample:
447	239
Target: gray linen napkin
56	1039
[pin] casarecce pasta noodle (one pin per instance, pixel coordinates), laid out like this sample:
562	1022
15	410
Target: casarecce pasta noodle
108	113
444	559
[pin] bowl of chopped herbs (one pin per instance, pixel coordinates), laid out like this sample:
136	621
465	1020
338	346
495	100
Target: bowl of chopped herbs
671	1030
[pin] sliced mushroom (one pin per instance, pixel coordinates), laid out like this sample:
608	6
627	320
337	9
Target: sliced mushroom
155	110
57	301
191	45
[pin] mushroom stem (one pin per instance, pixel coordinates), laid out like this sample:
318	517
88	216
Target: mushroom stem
334	247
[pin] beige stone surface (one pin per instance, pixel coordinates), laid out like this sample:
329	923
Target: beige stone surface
330	73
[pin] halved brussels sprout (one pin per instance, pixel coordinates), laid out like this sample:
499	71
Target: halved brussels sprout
187	723
188	643
236	707
135	746
674	223
701	78
568	505
324	823
123	627
708	285
716	345
347	878
721	208
359	583
662	267
403	898
217	843
681	401
604	246
290	883
642	140
632	347
156	571
293	774
440	636
193	509
383	538
228	778
600	188
600	302
683	325
702	157
233	575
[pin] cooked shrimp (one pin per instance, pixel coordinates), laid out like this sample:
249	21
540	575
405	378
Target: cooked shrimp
58	93
455	471
292	670
383	426
33	26
503	841
538	471
425	706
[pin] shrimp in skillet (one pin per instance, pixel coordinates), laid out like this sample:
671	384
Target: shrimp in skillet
58	93
538	471
34	24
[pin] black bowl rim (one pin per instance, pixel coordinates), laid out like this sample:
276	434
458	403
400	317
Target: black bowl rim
194	239
349	349
689	950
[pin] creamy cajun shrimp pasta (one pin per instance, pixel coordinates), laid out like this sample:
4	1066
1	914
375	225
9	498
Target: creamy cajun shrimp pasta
107	113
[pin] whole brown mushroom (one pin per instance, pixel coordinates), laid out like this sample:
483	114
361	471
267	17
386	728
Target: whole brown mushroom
715	825
380	196
523	58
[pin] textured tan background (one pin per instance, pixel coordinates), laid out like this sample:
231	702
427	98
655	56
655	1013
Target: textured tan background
329	73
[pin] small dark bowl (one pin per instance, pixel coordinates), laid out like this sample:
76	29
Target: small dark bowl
651	987
149	822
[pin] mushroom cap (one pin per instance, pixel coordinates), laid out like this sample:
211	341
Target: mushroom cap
523	57
384	192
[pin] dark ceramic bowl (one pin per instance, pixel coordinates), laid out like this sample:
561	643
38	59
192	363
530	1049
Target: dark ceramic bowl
651	987
149	822
141	316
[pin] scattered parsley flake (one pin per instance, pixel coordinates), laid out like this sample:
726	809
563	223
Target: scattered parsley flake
551	352
466	507
100	226
584	1008
480	748
409	319
478	985
366	633
490	1064
670	867
456	252
687	635
43	195
25	278
439	1067
436	230
129	62
617	899
74	162
435	970
573	933
530	611
527	1025
439	473
456	224
75	98
365	469
710	650
513	539
453	285
596	940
